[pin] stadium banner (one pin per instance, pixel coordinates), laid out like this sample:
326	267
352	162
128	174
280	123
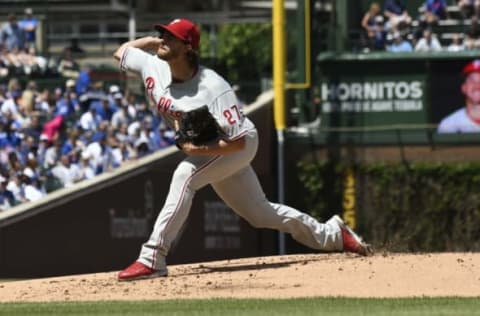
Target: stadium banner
375	100
385	98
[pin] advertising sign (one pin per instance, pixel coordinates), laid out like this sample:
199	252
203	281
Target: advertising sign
374	101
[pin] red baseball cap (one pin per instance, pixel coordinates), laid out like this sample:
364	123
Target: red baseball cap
474	66
183	29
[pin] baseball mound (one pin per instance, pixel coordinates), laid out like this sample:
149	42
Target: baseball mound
382	275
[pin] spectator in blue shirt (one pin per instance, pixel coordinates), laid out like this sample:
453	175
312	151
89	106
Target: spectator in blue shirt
163	136
29	25
399	44
12	35
435	10
104	109
437	7
72	146
15	136
83	81
67	105
3	134
116	100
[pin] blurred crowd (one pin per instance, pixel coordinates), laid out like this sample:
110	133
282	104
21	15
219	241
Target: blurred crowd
17	46
53	139
50	139
392	28
18	51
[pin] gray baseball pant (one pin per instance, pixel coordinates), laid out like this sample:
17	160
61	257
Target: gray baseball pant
234	180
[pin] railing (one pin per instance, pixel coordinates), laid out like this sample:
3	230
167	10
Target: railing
397	134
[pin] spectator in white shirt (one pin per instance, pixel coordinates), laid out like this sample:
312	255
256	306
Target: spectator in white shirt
86	169
52	154
428	43
30	185
15	186
100	152
122	116
11	105
68	173
90	120
457	44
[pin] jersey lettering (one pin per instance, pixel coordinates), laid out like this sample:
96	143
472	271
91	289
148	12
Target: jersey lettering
229	115
164	104
149	83
234	107
175	114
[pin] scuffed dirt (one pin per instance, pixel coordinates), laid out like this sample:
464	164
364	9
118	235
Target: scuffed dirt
383	275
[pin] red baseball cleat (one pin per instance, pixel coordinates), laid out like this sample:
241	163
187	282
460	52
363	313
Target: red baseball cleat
138	271
351	241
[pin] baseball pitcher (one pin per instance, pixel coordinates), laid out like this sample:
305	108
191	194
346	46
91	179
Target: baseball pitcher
219	141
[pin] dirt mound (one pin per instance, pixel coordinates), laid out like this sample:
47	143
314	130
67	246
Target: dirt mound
387	275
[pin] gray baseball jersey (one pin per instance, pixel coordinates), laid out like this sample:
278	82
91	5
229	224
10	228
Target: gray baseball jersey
170	98
231	175
458	122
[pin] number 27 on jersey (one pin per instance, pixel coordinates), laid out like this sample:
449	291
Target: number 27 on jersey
232	114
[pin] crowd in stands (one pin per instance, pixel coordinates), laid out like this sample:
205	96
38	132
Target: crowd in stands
18	51
53	139
392	28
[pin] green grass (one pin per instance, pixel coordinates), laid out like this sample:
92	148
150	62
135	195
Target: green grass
253	307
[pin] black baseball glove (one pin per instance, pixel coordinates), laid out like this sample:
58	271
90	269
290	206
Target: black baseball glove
197	127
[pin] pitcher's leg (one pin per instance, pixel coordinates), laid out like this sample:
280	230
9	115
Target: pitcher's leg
186	180
243	193
191	174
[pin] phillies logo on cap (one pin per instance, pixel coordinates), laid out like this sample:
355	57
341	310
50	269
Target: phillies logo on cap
474	66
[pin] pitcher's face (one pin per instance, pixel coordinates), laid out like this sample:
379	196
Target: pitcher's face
171	47
471	88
